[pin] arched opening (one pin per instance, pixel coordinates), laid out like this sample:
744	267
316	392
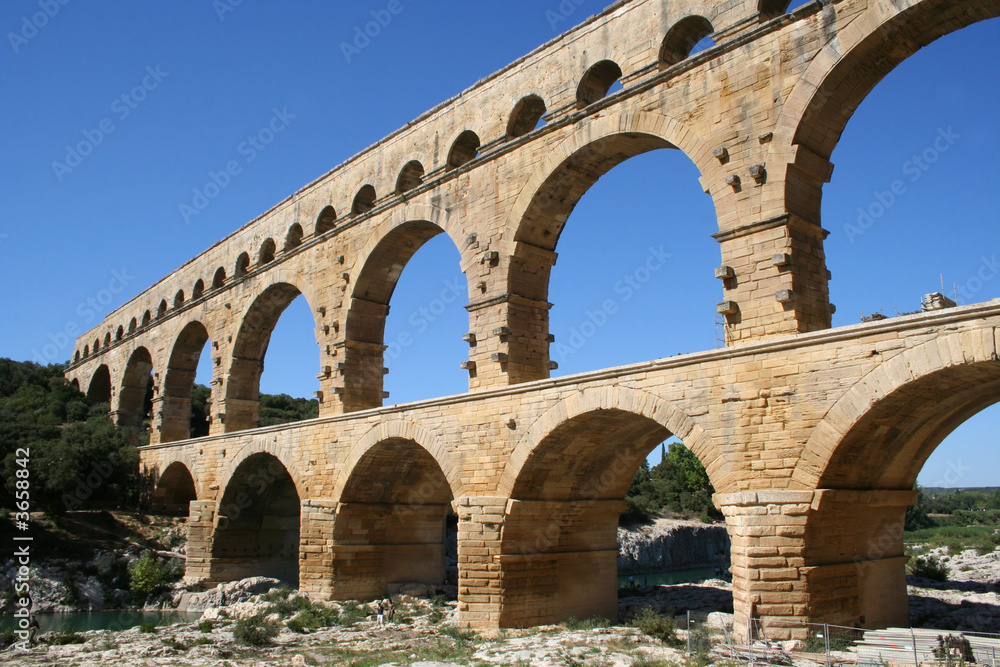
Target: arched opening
364	201
146	318
86	350
685	38
242	265
293	239
161	310
97	345
770	9
178	385
179	299
75	383
76	357
174	491
596	83
199	289
219	279
393	510
427	307
410	176
257	525
135	398
326	221
559	549
132	326
119	333
107	339
888	434
465	149
616	308
267	250
895	181
527	115
242	407
99	390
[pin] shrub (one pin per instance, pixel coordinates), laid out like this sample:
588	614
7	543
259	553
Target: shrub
255	631
205	626
313	619
928	567
64	638
656	626
147	628
572	623
7	637
175	644
146	575
350	614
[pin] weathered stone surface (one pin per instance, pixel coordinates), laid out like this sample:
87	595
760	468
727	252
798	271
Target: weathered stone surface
669	544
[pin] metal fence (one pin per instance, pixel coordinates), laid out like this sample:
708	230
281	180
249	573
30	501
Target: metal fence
710	638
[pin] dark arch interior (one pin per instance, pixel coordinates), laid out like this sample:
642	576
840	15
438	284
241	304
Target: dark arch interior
682	38
99	390
161	310
136	394
327	219
119	332
107	339
219	279
249	350
561	525
257	527
242	265
465	149
394	506
364	201
770	9
526	116
178	383
132	325
597	82
179	299
199	289
887	447
410	176
267	250
294	237
174	491
146	318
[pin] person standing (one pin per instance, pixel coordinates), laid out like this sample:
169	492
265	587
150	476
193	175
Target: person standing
380	614
33	628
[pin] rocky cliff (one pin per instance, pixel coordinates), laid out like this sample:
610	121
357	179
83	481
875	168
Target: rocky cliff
670	544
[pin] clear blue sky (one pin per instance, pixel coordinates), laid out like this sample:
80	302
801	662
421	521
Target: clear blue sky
211	80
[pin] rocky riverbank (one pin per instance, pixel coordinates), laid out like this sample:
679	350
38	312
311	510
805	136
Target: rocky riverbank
672	544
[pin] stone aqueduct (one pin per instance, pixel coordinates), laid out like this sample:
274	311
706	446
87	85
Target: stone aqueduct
799	425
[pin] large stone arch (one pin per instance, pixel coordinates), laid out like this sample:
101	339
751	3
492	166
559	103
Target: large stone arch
881	431
838	79
175	488
136	381
403	429
392	502
262	443
632	401
566	483
178	382
256	531
99	388
546	201
246	361
374	278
